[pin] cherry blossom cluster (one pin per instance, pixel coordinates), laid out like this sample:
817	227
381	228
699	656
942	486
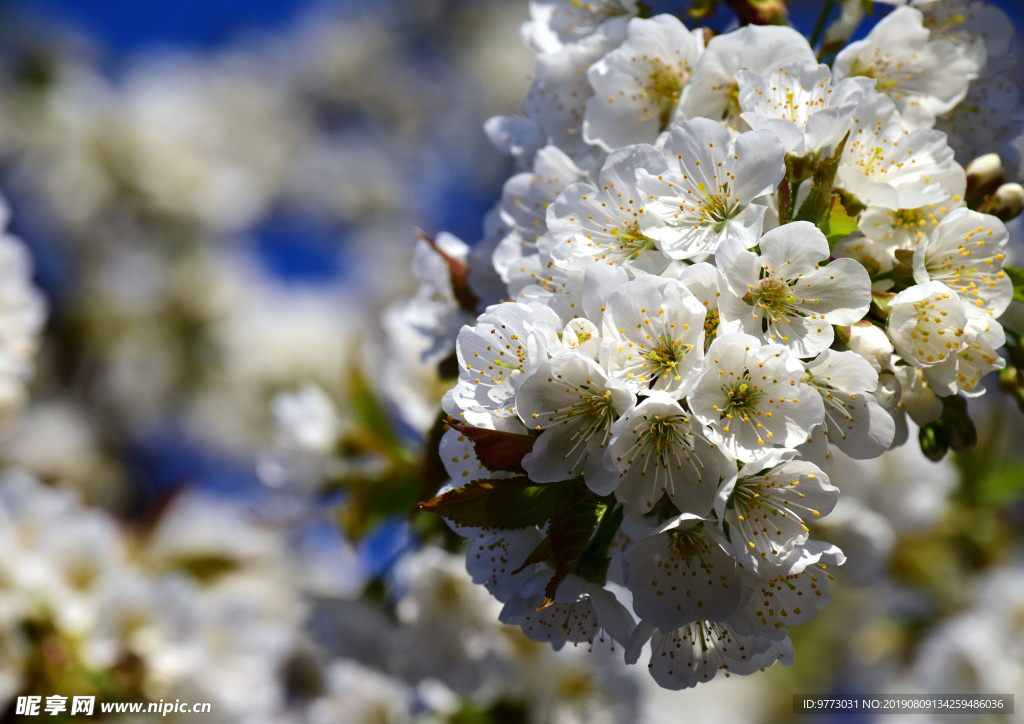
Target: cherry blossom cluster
721	262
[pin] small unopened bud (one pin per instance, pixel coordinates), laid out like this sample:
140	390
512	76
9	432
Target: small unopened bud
703	8
984	169
1006	203
984	176
870	342
1009	380
934	441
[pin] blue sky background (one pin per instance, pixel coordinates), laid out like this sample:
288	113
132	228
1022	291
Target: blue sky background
125	26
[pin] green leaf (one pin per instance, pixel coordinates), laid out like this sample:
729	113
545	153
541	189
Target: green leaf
573	524
851	203
953	430
1004	484
800	168
818	204
595	560
1016	275
366	410
507	504
838	225
496	449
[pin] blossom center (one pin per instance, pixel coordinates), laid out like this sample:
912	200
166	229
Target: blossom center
731	91
664	359
710	327
876	71
633	241
774	296
749	496
689	544
907	218
664	87
741	398
663	434
717	209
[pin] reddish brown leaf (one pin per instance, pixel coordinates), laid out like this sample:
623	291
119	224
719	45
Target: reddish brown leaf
573	523
496	449
506	504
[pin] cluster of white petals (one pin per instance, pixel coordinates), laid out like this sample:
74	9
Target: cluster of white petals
694	352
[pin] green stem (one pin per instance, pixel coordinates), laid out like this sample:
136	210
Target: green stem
820	25
882	277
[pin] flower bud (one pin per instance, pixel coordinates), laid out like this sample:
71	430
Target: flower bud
934	440
984	175
870	342
1009	380
984	170
1006	203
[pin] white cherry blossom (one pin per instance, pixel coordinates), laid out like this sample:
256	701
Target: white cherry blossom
458	453
854	421
524	203
785	296
708	285
493	558
705	194
638	85
905	228
962	372
582	613
850	17
653	336
575	403
884	164
713	91
966	253
926	324
981	30
508	342
22	316
765	508
985	121
924	77
870	342
554	23
583	336
800	588
798	103
573	293
660	449
557	97
695	653
680	575
603	223
751	398
535	278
